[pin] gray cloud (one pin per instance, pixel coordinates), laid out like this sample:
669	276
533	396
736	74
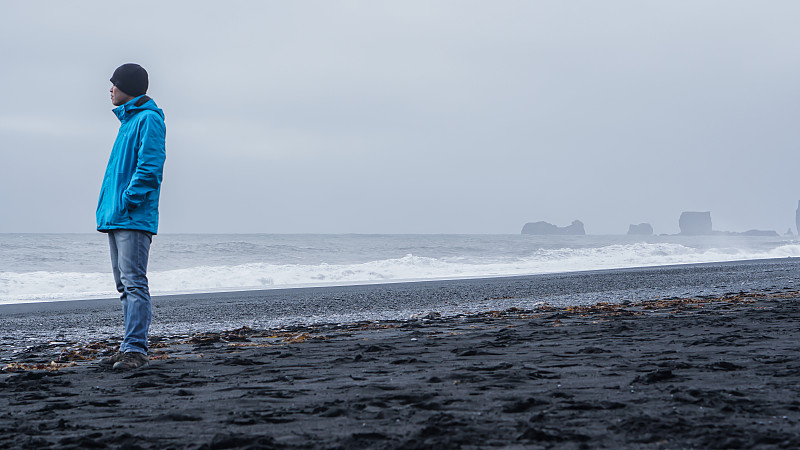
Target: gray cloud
452	117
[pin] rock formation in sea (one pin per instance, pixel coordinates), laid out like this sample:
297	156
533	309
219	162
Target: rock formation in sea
643	229
770	233
575	229
695	223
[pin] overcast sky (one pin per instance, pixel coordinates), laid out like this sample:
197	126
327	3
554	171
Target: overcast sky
411	116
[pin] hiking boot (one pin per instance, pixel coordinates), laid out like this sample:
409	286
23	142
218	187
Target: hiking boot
131	360
111	360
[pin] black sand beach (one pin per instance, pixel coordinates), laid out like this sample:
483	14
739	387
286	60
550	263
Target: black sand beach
680	357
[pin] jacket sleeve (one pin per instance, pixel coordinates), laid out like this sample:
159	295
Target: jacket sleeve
150	161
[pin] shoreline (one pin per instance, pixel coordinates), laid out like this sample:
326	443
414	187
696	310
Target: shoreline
290	287
10	307
86	320
716	372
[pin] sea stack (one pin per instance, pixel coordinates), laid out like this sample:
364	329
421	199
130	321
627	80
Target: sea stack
544	228
643	229
694	223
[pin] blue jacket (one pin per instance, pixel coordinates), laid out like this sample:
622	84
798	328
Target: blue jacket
132	183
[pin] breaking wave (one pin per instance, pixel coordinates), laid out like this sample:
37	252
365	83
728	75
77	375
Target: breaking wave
19	287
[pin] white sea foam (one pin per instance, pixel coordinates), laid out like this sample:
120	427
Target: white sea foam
16	287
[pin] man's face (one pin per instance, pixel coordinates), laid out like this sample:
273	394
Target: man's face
118	97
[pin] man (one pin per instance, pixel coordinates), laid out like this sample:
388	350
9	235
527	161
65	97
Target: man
128	206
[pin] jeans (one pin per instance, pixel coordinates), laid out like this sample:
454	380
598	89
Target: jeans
129	252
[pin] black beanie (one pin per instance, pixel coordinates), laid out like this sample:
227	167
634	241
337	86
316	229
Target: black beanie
131	79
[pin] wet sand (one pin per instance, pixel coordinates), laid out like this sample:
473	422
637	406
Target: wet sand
85	321
714	372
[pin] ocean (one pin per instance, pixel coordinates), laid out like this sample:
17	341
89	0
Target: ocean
49	267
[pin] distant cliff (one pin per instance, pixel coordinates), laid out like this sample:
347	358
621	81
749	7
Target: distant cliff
544	228
797	218
694	223
643	229
770	233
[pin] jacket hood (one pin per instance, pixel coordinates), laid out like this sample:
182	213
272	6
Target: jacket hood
136	105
